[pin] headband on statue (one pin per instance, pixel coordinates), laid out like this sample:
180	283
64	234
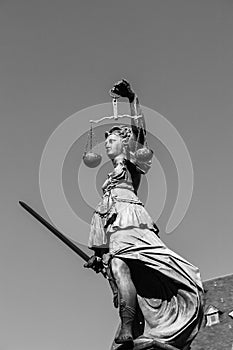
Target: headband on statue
123	131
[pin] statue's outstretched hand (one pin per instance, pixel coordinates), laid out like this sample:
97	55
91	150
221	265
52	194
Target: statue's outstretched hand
95	263
123	89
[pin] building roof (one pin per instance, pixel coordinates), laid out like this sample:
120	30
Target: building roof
210	310
218	301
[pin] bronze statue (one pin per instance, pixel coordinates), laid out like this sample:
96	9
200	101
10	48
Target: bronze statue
159	294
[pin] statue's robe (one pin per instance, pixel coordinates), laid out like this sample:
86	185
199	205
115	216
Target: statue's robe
169	288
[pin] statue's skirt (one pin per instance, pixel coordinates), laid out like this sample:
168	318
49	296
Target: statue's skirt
169	288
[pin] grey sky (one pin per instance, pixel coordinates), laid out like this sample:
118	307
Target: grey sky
59	57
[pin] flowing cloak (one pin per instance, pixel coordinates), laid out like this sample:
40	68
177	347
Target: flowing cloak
169	288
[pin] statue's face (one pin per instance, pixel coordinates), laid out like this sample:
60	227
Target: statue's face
114	146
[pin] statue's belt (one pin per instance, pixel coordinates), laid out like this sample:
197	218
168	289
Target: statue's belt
105	209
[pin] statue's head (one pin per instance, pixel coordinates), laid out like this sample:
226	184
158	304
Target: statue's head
117	140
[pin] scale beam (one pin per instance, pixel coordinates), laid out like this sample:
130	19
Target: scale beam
115	115
135	117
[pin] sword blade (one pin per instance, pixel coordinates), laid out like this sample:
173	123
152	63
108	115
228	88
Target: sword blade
57	233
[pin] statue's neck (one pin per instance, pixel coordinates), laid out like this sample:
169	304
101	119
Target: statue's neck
118	159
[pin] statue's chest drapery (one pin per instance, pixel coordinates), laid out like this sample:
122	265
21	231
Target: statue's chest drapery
118	187
125	175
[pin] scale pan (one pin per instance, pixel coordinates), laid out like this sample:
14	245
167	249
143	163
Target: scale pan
91	159
144	154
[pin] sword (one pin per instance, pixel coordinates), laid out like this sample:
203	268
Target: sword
105	271
57	233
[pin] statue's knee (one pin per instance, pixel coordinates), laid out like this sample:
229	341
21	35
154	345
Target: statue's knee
117	266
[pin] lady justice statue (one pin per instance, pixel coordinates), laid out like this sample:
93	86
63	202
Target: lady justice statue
159	294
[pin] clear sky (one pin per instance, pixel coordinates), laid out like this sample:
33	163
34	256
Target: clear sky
60	57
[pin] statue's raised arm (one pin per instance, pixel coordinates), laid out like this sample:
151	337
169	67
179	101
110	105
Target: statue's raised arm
123	89
137	148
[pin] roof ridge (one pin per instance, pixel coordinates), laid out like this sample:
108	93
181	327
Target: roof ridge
212	306
214	278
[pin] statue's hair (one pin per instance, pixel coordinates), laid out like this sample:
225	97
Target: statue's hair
122	130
